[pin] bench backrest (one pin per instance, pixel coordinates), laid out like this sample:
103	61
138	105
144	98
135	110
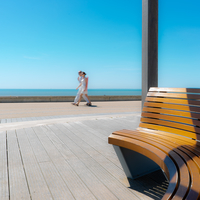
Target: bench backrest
173	110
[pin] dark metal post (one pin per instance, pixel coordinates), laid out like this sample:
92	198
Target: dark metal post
149	46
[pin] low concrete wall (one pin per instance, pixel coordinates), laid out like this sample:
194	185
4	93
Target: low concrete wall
22	99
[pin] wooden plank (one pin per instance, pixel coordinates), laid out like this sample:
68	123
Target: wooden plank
3	121
56	185
59	157
171	112
98	126
133	124
170	124
178	138
4	185
19	119
95	142
174	95
97	188
121	123
172	118
47	117
37	185
170	100
106	178
22	119
173	106
51	117
33	118
39	151
171	130
94	185
186	90
90	132
28	119
104	128
17	177
53	179
73	181
96	155
14	120
9	120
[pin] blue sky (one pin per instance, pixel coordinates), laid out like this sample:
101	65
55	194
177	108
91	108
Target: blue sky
44	43
179	43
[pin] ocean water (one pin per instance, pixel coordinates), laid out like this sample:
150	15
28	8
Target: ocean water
68	92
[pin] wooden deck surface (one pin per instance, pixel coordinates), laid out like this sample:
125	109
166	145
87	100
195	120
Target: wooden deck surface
69	159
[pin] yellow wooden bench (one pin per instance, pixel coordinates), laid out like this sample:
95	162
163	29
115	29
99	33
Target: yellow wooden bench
168	137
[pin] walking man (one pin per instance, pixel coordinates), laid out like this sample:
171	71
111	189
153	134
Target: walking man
79	91
83	89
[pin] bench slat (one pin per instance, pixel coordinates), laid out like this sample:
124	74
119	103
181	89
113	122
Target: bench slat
173	101
191	144
171	130
174	95
171	112
172	118
176	139
171	124
186	90
194	173
192	155
173	107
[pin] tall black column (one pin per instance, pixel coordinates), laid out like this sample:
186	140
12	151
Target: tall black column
149	46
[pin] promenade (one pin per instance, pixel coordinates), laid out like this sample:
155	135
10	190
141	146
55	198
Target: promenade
59	151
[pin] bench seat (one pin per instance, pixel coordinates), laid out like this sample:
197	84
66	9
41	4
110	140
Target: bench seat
168	135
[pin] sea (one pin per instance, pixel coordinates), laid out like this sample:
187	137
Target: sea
68	92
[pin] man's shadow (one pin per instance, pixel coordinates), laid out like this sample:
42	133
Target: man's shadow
93	106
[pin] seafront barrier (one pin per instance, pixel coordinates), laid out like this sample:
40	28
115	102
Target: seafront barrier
26	99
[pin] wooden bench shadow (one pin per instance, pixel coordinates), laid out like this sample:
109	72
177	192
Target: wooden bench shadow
153	185
167	139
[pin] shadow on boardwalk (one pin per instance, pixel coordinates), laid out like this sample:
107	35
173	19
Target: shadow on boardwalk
154	185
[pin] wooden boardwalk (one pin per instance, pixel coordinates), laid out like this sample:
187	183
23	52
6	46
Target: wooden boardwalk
64	157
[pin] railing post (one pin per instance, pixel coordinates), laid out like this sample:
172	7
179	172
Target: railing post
149	46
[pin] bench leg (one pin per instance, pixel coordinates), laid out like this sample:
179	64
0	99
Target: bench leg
135	164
